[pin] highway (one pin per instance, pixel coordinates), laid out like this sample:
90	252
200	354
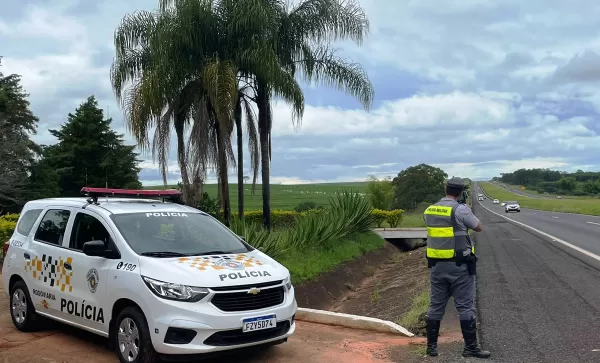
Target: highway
538	300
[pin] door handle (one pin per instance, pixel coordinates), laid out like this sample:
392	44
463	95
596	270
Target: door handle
67	266
27	256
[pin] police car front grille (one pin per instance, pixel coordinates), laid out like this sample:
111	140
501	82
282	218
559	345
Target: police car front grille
243	301
246	287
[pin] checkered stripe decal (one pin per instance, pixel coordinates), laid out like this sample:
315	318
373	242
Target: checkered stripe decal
51	271
207	262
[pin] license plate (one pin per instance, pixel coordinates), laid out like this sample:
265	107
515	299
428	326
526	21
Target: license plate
260	323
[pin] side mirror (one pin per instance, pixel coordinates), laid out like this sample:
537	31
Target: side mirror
96	248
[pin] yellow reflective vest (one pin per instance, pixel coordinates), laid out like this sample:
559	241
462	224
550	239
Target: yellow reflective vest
444	238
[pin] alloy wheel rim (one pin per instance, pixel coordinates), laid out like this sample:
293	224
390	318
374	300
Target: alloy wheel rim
128	337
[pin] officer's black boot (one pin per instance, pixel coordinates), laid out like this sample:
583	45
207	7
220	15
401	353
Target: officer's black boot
433	331
472	349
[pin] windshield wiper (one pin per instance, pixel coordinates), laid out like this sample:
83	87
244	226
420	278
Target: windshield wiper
164	254
211	253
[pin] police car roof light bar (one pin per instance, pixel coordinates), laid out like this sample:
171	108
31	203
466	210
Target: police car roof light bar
172	195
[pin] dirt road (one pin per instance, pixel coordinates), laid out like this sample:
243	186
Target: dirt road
311	343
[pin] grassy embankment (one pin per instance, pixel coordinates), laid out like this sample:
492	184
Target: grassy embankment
582	206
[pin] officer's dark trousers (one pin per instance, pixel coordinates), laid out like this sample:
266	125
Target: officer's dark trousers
447	280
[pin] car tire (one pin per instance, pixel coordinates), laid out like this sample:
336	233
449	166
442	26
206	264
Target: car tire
20	302
123	338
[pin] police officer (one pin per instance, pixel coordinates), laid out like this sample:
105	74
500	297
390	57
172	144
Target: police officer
451	259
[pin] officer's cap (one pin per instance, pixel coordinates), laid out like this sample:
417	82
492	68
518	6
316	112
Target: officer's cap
455	182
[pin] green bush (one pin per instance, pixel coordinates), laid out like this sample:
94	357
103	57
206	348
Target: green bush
8	223
394	217
379	216
306	206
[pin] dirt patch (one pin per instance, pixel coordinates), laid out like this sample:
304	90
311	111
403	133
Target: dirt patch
330	288
389	291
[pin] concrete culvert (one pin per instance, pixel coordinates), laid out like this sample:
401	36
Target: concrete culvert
407	244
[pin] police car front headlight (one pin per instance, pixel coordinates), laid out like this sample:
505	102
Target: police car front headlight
288	283
170	291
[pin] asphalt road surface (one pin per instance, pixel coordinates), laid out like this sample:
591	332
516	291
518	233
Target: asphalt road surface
538	300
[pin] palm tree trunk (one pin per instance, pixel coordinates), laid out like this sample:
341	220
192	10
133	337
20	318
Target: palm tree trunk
185	179
262	102
240	159
223	177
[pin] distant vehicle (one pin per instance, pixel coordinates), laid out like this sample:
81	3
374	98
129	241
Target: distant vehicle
559	197
480	198
496	201
512	206
503	204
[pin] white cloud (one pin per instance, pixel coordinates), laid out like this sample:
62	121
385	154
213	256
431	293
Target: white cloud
477	86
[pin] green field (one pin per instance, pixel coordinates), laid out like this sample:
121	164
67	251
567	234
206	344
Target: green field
284	196
581	206
287	197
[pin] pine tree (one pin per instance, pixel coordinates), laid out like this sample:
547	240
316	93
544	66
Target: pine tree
17	150
90	153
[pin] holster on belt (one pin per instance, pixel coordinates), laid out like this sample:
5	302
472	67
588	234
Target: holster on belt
470	260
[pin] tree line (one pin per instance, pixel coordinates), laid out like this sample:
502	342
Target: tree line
554	181
411	188
87	151
211	69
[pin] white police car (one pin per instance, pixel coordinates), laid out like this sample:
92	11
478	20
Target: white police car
156	278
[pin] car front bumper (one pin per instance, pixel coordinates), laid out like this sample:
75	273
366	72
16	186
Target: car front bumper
215	330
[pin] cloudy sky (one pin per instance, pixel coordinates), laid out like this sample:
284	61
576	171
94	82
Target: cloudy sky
476	87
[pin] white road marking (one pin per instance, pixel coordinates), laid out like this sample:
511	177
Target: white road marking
598	224
554	239
555	217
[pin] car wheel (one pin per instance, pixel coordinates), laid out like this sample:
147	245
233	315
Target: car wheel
132	337
518	211
22	312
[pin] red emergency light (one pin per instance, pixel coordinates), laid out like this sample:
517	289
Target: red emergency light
94	193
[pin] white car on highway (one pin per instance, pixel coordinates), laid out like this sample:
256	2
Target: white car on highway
158	279
496	201
512	206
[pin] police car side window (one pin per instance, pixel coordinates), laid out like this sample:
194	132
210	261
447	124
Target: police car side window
85	229
27	220
52	227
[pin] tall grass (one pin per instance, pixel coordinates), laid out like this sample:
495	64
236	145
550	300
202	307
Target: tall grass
348	214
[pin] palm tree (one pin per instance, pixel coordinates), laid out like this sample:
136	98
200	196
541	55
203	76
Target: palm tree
168	77
301	42
180	67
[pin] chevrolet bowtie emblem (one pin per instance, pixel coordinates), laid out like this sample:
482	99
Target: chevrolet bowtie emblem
253	291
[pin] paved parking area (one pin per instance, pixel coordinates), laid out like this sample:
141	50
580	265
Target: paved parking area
311	343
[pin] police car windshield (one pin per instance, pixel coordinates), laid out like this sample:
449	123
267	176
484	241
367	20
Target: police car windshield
166	234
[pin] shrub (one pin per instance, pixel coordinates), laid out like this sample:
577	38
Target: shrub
379	216
8	224
306	206
394	217
279	218
273	244
208	205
